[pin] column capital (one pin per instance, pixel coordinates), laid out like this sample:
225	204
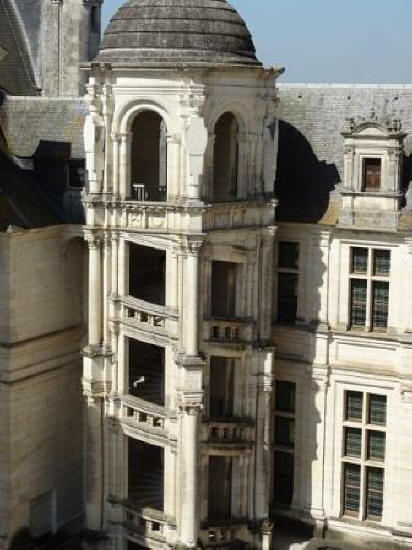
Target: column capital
93	239
191	246
190	402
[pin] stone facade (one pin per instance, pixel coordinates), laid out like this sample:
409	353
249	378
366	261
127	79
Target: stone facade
245	280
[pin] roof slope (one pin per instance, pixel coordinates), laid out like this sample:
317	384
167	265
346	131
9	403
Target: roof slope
27	121
16	71
178	31
310	160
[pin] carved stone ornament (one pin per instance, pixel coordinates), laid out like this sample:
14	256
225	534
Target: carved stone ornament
190	403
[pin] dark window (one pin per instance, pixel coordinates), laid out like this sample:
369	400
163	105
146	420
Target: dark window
224	289
380	305
381	263
147	277
374	496
351	489
289	254
220	487
376	445
285	396
285	431
372	168
353	442
147	371
225	159
287	297
149	158
359	260
358	302
354	402
145	474
377	409
283	479
221	387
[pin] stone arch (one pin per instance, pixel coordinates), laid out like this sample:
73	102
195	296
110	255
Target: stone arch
145	126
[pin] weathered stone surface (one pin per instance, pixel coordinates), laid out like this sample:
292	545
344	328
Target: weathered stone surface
188	31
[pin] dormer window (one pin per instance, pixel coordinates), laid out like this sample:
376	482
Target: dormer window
371	190
372	174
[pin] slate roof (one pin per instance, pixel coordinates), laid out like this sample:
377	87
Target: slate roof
16	71
310	159
28	121
177	31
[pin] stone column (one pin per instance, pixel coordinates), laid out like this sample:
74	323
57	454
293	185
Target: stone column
94	463
190	406
266	284
263	446
115	167
192	297
124	162
95	290
314	440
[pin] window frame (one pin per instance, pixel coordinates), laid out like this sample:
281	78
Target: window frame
364	187
289	415
287	270
363	461
372	280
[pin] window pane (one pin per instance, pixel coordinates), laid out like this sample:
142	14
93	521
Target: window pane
381	262
283	478
285	396
288	254
374	497
372	174
287	297
376	445
351	488
377	409
353	442
359	260
358	303
354	403
380	304
285	431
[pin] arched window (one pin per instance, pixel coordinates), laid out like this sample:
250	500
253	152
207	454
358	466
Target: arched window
149	157
225	174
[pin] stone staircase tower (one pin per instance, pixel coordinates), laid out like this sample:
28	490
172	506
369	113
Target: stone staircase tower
180	147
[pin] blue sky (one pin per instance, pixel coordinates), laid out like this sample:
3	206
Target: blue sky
367	41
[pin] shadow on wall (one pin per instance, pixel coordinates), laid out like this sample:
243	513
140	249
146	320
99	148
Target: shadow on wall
303	182
61	178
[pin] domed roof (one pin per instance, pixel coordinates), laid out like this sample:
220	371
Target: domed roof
177	31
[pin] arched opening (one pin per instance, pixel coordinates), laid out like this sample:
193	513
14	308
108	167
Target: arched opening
225	174
149	157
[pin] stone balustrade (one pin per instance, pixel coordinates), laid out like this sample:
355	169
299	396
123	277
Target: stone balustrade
142	413
229	432
144	315
146	524
230	331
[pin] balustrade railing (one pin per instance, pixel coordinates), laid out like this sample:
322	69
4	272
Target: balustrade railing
228	331
140	313
144	414
229	431
149	524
